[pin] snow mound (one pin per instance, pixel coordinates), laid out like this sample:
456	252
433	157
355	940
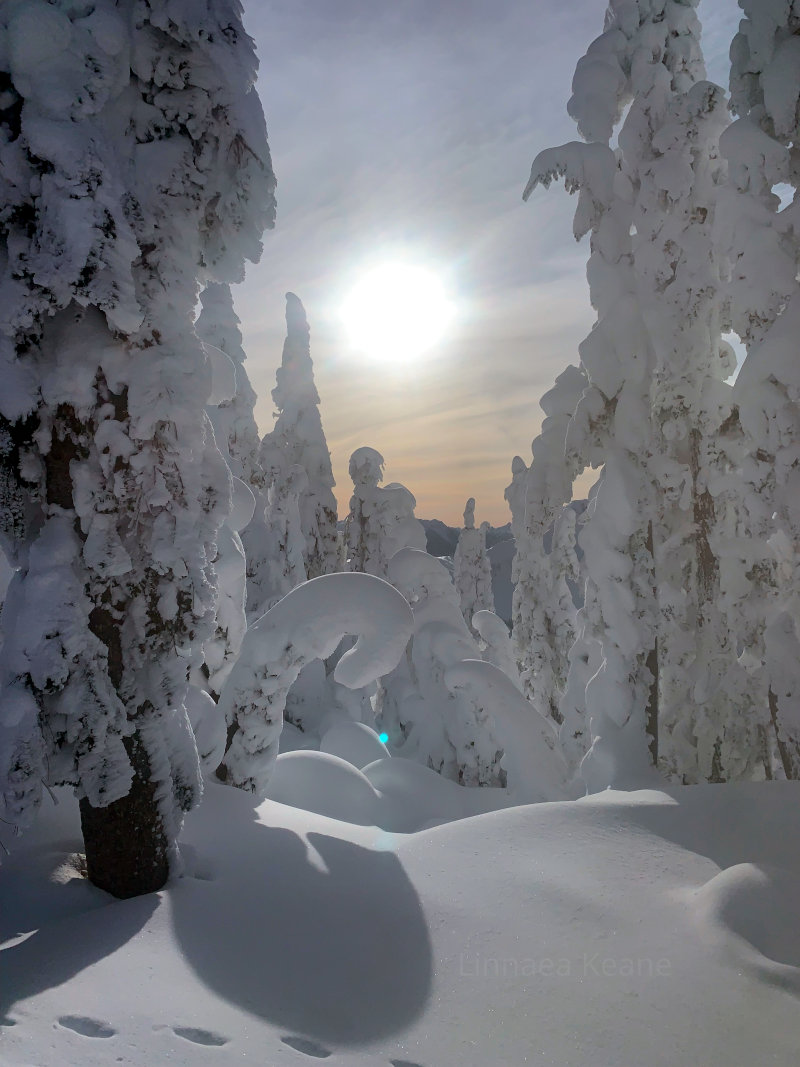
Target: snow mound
758	904
415	797
355	742
325	784
395	794
555	933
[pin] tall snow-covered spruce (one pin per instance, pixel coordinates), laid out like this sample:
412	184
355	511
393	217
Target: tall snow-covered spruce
656	399
297	439
135	168
472	571
381	520
542	605
762	240
233	419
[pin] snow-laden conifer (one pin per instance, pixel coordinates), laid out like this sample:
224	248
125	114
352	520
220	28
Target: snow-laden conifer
543	614
275	558
233	419
425	721
222	649
762	244
610	426
472	571
496	645
134	163
381	519
306	625
655	363
297	439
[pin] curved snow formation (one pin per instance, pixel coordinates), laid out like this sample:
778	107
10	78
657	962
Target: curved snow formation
535	768
751	909
396	794
354	742
307	624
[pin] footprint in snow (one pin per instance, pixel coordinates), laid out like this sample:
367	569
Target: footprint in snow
200	1037
82	1024
404	1063
310	1048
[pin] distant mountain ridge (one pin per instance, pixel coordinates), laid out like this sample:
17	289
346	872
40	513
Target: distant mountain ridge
442	539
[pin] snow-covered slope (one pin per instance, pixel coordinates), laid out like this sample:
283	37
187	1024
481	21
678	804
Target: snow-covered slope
651	929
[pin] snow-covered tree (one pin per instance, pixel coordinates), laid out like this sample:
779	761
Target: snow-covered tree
762	241
583	662
275	559
233	419
531	763
472	571
306	625
222	649
656	363
542	604
425	721
381	519
297	439
496	645
134	168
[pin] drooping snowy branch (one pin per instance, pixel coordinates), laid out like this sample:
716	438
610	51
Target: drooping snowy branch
307	624
533	764
424	720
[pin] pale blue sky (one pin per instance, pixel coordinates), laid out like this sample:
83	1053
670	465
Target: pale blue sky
407	125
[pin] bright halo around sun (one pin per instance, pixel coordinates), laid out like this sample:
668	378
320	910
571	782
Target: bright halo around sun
396	312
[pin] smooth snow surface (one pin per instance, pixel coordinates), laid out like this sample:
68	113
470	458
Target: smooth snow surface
355	742
655	929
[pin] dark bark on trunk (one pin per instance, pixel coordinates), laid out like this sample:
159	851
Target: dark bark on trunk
651	720
789	760
127	852
707	574
763	740
222	772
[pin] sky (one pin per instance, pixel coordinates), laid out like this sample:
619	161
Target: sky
406	129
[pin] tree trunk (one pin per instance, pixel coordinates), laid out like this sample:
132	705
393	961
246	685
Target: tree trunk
790	761
126	847
707	582
651	720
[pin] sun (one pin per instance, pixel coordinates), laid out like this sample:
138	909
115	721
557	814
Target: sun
396	312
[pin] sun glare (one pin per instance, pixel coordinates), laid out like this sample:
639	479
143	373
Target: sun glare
396	312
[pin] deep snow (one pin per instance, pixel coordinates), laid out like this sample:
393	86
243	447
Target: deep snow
651	928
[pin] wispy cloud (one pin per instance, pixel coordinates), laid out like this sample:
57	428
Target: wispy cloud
411	124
